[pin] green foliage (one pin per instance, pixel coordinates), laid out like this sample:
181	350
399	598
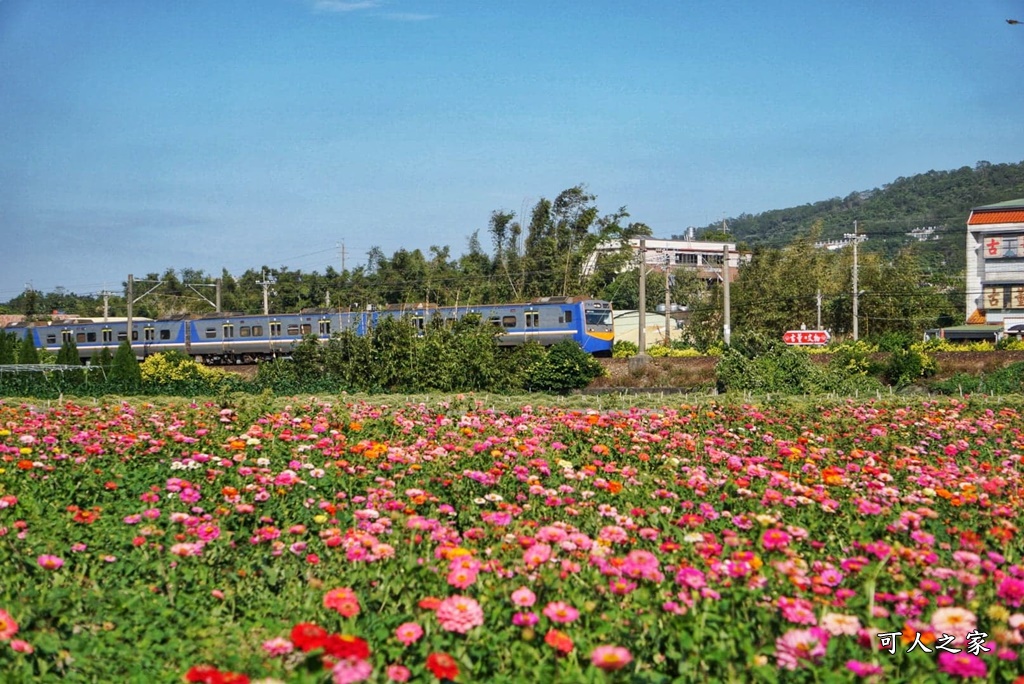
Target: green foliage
565	368
124	371
853	358
27	352
8	348
1008	380
623	349
895	340
175	373
103	360
907	366
68	354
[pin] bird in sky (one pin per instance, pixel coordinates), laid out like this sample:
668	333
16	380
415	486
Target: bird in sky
1012	21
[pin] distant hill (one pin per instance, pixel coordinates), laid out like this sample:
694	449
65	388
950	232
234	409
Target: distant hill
937	200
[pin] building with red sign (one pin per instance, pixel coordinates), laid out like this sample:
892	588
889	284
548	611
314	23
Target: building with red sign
995	263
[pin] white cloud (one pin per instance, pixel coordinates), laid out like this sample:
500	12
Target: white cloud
409	16
344	5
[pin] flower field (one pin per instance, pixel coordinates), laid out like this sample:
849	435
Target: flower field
347	542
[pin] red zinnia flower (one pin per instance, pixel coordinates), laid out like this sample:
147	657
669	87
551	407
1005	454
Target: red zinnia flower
230	678
307	636
430	603
203	674
443	666
343	646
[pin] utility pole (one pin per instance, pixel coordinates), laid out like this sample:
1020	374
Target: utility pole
342	256
266	294
856	293
131	300
819	309
668	300
642	333
217	298
726	328
106	305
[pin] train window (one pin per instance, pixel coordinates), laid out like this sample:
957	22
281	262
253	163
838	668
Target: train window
80	337
211	333
532	319
108	335
495	321
325	327
229	332
149	334
90	337
66	335
257	331
293	330
508	321
51	339
306	328
135	335
122	335
165	334
568	315
275	329
244	331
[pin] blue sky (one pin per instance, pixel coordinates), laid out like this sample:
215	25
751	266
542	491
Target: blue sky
138	135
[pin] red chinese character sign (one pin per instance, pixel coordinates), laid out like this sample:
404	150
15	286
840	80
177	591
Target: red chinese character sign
806	337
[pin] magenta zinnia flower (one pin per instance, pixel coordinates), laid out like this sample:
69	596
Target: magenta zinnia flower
50	562
863	669
351	670
559	611
962	665
459	614
1011	590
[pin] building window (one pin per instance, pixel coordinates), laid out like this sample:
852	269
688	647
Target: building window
686	259
712	259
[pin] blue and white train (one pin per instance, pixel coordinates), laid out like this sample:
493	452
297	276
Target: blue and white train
218	339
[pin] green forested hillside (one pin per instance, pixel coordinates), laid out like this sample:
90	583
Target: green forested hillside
938	199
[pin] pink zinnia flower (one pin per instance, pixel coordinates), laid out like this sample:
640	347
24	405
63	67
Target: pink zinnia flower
459	614
955	621
49	562
798	645
610	658
408	633
278	646
523	597
837	624
962	665
351	670
461	578
343	600
398	673
525	619
775	539
20	646
8	627
559	611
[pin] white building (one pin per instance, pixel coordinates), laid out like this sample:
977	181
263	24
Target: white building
706	258
995	263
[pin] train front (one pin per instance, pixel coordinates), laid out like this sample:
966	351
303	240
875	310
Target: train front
598	335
